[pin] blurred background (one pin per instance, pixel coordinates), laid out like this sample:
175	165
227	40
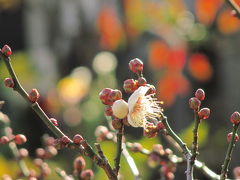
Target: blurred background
71	50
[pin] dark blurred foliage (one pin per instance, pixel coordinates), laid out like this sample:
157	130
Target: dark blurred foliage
69	51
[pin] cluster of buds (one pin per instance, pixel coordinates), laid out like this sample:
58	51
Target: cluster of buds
235	120
18	139
162	157
195	103
131	85
116	106
79	165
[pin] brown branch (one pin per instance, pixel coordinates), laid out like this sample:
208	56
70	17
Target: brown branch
228	157
35	106
119	149
195	139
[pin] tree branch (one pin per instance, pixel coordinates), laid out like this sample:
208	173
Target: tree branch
186	152
35	106
228	157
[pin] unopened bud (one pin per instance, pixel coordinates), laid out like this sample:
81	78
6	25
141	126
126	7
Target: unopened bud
79	164
104	96
136	66
120	109
235	118
115	95
9	82
20	139
87	174
204	113
117	123
108	111
141	81
77	139
4	140
130	85
34	95
200	94
6	50
194	103
23	153
136	147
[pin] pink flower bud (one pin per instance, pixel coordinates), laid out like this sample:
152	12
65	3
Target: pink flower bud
104	96
115	95
9	82
136	147
79	164
34	95
87	174
77	139
229	137
117	123
235	118
194	103
200	94
6	50
130	85
108	111
23	153
4	140
40	153
65	140
141	81
136	65
204	113
20	139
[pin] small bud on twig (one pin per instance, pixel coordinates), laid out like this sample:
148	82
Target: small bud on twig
136	66
194	103
204	113
235	118
200	94
20	139
6	50
9	82
34	95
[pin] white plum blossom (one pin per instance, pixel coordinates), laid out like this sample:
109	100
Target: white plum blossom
142	107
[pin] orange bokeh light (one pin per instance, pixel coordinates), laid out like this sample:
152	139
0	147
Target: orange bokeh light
199	67
227	23
206	10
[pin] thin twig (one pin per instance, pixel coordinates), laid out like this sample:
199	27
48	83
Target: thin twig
119	150
195	139
186	152
228	157
198	164
35	106
234	6
131	163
